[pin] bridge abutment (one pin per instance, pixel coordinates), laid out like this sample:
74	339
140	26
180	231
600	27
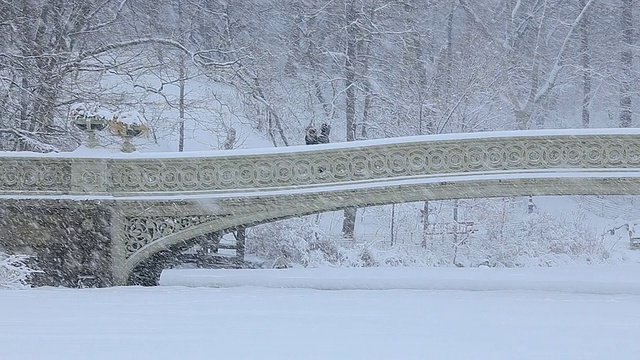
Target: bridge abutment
70	242
76	243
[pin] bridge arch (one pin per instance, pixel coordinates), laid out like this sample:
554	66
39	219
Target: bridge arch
410	190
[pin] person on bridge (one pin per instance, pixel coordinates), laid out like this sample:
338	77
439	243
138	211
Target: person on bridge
311	138
230	141
325	129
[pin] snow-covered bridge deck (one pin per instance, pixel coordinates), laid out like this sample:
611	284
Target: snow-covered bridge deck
500	160
159	201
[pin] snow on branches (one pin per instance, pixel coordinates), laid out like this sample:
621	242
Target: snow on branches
14	271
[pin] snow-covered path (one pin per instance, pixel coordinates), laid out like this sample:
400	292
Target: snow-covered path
401	322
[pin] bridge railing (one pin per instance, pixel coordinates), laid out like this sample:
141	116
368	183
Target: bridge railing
87	176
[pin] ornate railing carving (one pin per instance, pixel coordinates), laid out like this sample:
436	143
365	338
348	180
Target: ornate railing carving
33	175
142	230
143	174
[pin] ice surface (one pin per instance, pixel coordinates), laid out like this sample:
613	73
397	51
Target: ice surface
539	314
614	279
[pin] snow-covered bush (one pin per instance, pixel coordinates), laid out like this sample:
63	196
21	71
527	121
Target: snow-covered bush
14	271
542	239
300	242
504	234
297	241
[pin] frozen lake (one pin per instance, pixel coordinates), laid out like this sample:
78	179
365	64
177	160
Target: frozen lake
380	313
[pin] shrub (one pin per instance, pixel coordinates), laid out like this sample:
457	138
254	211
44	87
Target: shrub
14	271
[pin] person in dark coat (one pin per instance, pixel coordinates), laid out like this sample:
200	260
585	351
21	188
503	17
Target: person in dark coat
311	138
325	129
323	138
230	142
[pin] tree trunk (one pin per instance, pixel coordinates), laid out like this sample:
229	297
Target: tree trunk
349	222
181	83
241	237
350	71
364	47
626	59
426	226
586	68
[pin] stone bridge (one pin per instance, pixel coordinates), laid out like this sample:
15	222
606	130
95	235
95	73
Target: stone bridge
112	216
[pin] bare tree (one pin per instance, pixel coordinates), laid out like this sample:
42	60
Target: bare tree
526	43
626	62
586	67
51	50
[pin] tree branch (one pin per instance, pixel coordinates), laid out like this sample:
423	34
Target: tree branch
555	70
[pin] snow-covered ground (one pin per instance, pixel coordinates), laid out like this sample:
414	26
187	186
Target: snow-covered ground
377	313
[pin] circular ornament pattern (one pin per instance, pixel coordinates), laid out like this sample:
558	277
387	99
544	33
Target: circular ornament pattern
188	177
632	155
322	169
456	158
341	167
495	157
359	166
594	155
397	163
378	165
475	158
302	170
573	154
284	172
11	176
264	173
30	177
553	155
87	178
49	177
152	178
417	161
533	155
614	154
515	157
227	176
246	175
170	178
207	177
126	178
437	160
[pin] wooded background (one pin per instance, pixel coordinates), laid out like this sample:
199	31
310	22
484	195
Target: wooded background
370	68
